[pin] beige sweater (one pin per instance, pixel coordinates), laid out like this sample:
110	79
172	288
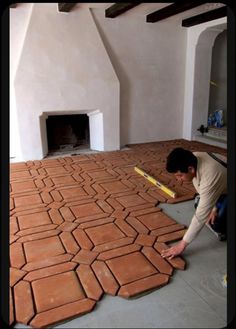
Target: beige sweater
210	182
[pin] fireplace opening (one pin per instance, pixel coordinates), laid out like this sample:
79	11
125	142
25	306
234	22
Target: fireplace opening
67	133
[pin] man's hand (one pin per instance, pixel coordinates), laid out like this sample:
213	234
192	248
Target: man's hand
175	250
212	217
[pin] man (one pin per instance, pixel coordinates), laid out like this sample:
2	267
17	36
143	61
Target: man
209	176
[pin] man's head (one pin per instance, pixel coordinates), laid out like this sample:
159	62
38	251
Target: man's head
182	163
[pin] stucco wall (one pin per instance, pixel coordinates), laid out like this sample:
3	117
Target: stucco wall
64	66
149	60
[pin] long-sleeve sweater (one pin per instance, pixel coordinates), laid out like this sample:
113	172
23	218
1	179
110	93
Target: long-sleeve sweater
210	182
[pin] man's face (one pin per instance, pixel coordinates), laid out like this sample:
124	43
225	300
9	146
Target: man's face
185	177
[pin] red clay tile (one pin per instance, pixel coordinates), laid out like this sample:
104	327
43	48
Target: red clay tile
16	275
167	229
131	200
114	187
69	242
60	289
82	239
176	262
31	266
104	233
140	286
33	220
89	282
145	240
85	257
118	251
23	186
85	210
48	271
160	264
105	277
55	216
171	236
156	220
67	226
126	228
60	208
17	258
72	193
43	248
137	225
67	214
62	313
131	267
23	296
37	229
24	201
113	244
96	222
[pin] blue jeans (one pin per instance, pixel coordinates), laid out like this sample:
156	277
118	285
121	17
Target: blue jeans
220	224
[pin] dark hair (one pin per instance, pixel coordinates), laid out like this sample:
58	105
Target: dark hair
180	159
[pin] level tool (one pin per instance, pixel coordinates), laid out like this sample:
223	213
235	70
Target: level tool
155	182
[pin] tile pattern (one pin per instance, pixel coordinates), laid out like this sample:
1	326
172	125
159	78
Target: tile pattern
86	225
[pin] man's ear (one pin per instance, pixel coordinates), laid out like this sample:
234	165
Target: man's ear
191	170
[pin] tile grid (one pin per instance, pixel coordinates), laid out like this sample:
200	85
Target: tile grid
86	225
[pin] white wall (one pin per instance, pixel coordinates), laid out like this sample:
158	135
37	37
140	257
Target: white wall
149	60
64	66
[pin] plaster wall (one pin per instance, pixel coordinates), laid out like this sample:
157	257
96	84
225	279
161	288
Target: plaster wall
200	40
149	60
64	67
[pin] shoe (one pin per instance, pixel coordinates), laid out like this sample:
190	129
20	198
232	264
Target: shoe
220	236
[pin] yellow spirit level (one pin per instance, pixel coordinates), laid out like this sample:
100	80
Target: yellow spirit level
155	182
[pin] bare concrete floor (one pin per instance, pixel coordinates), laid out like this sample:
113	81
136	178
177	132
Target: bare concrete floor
196	297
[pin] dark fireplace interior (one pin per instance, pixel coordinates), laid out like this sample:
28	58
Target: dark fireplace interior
67	132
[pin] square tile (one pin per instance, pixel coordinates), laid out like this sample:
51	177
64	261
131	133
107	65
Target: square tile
27	200
114	187
156	220
63	180
85	210
42	249
72	193
33	220
104	233
57	290
23	186
130	267
131	200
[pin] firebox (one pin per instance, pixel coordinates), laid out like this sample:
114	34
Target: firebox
67	132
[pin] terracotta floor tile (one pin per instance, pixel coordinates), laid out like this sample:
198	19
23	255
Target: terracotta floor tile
89	282
114	187
131	267
86	225
85	210
62	313
104	233
60	289
23	296
156	220
24	201
34	220
43	248
134	288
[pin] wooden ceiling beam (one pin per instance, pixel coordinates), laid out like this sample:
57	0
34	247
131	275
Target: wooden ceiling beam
119	8
65	6
171	10
205	17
